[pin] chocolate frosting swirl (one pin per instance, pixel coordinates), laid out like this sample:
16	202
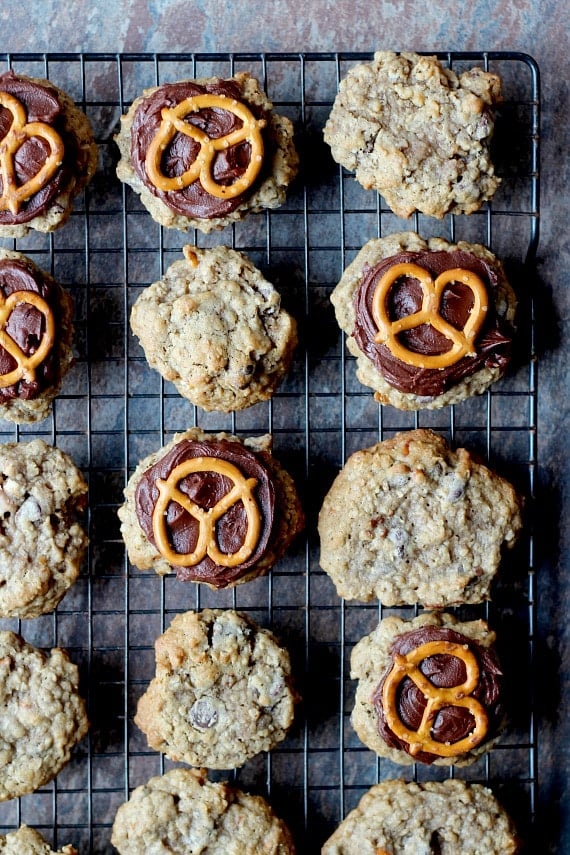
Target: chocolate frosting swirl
405	298
451	724
206	489
192	201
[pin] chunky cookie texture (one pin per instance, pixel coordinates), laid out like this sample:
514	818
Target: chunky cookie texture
418	133
184	813
42	716
410	521
222	691
28	841
214	326
448	817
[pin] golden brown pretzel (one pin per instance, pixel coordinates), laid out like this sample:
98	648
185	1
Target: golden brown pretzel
26	364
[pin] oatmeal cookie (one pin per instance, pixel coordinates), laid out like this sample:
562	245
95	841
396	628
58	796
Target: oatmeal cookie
28	841
409	521
417	133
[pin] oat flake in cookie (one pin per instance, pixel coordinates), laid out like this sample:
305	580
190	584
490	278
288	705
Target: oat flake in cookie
214	326
410	521
211	507
417	133
448	817
204	153
28	841
43	496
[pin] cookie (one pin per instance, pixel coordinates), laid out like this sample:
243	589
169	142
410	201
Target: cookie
28	841
417	133
400	818
42	716
214	326
184	813
204	153
49	155
36	332
429	322
211	507
410	521
429	690
222	691
42	541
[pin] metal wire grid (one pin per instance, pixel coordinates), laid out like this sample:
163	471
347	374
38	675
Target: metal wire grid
113	410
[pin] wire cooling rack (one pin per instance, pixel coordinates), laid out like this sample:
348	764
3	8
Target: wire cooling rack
113	410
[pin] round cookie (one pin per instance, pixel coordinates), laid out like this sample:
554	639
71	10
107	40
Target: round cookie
412	364
42	715
36	326
184	813
429	690
410	521
450	817
214	326
50	154
219	153
212	507
417	133
222	691
42	541
28	841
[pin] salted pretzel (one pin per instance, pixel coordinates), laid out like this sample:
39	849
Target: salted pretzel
14	194
173	123
25	364
207	518
437	698
462	341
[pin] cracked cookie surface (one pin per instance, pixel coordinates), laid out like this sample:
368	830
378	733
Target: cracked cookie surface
28	841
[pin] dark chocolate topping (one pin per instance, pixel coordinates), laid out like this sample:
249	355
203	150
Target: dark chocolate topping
206	489
493	343
451	724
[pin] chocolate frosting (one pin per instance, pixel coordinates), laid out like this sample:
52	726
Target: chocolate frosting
26	326
451	724
493	343
192	201
206	489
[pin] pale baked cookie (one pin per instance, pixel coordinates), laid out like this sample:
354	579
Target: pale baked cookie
222	692
204	153
183	813
28	841
212	507
417	133
214	326
448	817
409	521
42	542
48	152
42	716
430	323
429	690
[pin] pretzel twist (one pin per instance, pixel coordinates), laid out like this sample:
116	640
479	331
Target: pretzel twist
25	364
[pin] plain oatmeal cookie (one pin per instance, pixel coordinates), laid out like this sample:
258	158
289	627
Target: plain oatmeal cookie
42	715
183	813
416	132
410	521
28	841
214	326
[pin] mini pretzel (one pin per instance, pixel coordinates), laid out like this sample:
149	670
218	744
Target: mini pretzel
463	341
173	123
13	194
26	364
206	545
437	698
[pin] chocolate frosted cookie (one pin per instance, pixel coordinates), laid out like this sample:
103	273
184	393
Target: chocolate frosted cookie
445	817
417	133
28	841
430	323
42	541
214	326
47	154
42	716
211	507
411	521
184	813
203	153
222	691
